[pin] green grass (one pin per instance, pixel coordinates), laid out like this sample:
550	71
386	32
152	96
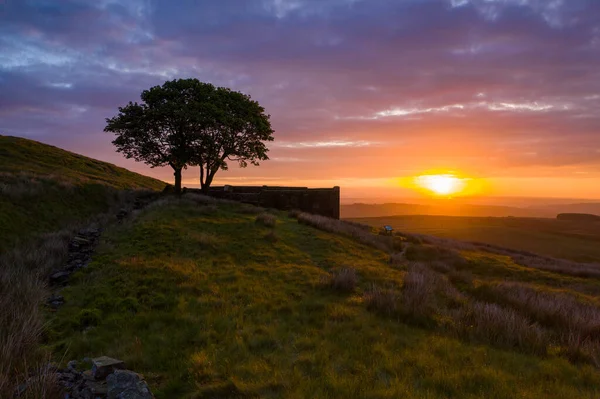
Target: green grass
578	241
44	188
202	302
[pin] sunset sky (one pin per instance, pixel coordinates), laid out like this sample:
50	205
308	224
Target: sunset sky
362	94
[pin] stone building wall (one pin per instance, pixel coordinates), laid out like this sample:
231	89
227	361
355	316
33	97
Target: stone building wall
320	201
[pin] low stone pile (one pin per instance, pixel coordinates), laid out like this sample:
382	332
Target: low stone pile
81	248
107	379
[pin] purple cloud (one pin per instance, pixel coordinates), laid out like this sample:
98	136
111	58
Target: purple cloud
345	80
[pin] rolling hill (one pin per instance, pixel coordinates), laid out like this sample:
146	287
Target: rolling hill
567	239
209	300
358	210
44	188
460	208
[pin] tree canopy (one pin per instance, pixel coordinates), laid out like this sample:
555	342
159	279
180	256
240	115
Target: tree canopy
186	122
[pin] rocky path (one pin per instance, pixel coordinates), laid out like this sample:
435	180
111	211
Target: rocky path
107	378
81	249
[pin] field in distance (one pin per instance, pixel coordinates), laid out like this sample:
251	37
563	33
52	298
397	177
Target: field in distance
578	241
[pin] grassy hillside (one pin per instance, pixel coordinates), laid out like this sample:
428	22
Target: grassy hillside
44	188
207	302
574	240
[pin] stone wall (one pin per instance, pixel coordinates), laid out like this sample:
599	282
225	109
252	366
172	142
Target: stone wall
320	201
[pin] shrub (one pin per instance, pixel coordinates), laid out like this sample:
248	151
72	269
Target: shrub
266	219
343	279
382	300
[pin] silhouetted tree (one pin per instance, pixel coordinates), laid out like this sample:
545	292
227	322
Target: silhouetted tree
162	129
186	122
239	134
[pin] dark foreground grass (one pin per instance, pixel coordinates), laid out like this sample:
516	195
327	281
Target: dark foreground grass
205	305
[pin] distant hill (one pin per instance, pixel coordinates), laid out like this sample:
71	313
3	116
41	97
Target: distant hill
44	188
567	239
450	209
578	217
593	208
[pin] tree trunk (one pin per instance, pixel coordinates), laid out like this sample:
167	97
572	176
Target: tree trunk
205	185
177	180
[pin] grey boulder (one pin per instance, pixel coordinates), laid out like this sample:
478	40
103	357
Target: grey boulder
125	384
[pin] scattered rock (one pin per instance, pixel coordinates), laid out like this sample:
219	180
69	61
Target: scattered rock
72	366
81	248
88	375
103	366
125	384
55	301
59	277
122	214
107	379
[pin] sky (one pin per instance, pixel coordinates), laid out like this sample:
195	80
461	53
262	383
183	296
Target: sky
362	94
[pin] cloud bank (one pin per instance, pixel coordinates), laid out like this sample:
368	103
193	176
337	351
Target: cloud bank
357	89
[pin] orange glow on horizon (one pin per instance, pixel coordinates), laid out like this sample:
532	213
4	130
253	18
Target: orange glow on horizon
441	184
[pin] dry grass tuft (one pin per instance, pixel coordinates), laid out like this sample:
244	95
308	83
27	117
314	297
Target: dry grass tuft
23	274
271	237
381	300
558	265
461	278
294	213
418	296
434	253
42	384
344	279
426	292
397	259
266	219
357	231
576	324
557	310
249	209
441	266
500	326
201	199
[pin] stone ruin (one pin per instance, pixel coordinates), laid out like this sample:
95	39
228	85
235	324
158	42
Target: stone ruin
319	201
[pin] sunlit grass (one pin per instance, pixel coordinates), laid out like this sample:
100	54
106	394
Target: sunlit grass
204	306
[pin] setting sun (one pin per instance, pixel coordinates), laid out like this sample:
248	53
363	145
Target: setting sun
446	184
